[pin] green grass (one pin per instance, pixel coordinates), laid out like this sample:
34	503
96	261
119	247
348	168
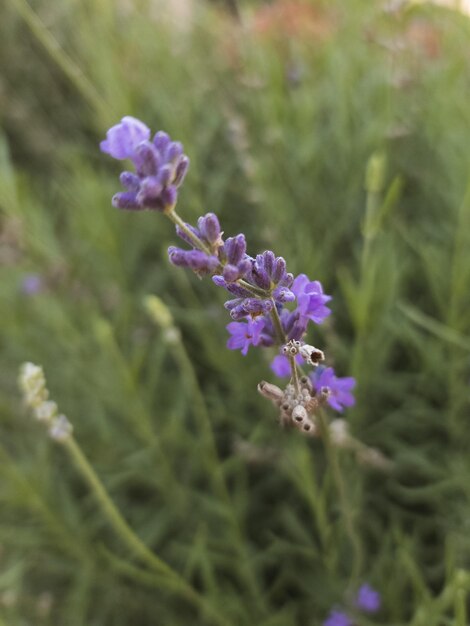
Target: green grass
263	539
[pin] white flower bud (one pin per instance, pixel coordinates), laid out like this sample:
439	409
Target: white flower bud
61	429
33	384
46	411
339	433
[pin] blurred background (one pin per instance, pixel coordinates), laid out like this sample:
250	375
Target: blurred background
335	133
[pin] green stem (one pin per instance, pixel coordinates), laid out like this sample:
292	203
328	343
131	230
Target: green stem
62	59
332	455
114	516
146	578
34	501
197	242
128	536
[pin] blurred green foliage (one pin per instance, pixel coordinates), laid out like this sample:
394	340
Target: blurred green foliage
281	111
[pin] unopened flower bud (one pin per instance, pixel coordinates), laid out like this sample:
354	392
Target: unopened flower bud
61	429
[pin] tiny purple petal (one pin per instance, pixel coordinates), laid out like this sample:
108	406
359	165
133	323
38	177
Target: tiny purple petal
130	181
279	271
282	294
235	249
168	196
150	188
210	228
165	175
126	200
123	138
146	159
161	141
230	273
368	599
183	235
181	170
173	152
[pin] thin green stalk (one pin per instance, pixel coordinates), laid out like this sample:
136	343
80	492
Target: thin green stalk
35	502
127	535
213	461
62	59
334	465
149	579
176	219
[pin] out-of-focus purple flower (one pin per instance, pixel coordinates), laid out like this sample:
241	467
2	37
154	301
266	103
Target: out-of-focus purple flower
245	334
160	166
311	300
368	599
32	284
280	365
340	388
338	618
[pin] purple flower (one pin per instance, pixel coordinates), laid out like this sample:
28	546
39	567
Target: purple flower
368	599
269	272
280	365
338	618
242	307
31	284
122	139
194	259
310	299
245	334
238	263
160	166
340	388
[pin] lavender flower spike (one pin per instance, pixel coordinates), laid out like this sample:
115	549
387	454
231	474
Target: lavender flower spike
160	166
368	599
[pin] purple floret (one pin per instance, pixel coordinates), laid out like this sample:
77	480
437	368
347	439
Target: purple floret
311	300
338	618
123	138
269	272
160	166
368	599
245	334
340	388
280	365
193	259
